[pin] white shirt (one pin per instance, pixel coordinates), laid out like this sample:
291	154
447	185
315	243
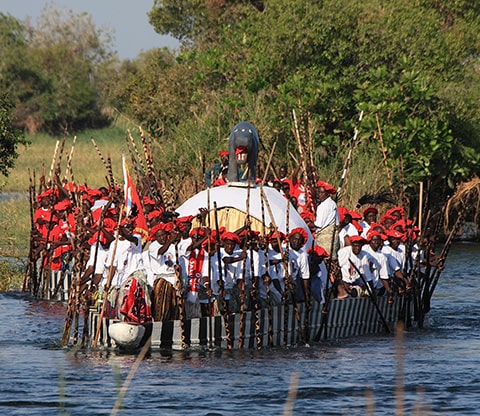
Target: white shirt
361	261
326	214
160	265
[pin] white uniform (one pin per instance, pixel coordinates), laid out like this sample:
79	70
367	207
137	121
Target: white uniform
128	258
361	261
160	265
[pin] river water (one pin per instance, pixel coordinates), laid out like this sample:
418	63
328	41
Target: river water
435	370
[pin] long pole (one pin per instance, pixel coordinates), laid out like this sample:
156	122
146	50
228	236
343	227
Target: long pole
272	219
221	284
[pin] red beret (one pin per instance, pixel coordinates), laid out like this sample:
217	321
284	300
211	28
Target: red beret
62	205
394	234
368	210
45	194
93	239
387	217
373	233
148	201
198	230
318	250
300	231
357	239
227	235
376	226
307	215
155	214
328	188
188	218
355	215
393	210
273	236
342	211
221	230
223	153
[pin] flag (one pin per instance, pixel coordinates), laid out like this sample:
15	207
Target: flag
131	200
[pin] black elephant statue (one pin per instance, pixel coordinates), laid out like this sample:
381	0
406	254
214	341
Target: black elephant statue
243	146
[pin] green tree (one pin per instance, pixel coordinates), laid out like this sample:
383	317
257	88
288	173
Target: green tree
54	69
10	137
412	64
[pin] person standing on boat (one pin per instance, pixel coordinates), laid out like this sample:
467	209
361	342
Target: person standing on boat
318	272
298	263
346	229
276	271
231	257
124	258
369	216
326	218
160	261
195	274
378	264
351	258
215	172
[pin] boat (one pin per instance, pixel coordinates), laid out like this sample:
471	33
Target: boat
284	325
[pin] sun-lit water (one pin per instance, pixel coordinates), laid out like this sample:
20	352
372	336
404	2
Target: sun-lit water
441	366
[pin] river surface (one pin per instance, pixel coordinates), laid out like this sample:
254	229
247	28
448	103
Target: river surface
435	370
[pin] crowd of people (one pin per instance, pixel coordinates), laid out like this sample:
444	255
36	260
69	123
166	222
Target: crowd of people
177	267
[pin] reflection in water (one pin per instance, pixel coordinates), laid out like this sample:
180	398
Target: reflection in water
440	366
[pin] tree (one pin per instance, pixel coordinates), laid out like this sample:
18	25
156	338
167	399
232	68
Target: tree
10	137
412	64
53	70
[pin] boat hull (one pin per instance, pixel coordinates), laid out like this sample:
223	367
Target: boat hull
346	318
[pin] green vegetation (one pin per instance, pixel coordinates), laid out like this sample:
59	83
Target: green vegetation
410	66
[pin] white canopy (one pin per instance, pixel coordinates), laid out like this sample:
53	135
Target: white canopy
233	197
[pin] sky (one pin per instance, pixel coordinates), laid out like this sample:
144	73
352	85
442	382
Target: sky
127	18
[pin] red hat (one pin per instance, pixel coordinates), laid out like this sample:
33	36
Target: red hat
221	230
227	235
318	250
328	188
93	239
387	217
250	233
376	226
300	231
395	234
45	194
201	231
355	215
223	153
342	211
307	215
155	229
188	218
148	201
94	193
155	214
373	233
399	223
273	236
368	210
357	239
109	224
395	210
62	205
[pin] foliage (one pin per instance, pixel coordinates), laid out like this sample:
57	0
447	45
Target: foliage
411	64
11	276
54	69
10	137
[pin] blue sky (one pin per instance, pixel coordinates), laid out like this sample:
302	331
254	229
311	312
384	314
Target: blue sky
127	18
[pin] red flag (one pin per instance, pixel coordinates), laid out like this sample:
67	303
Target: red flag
131	199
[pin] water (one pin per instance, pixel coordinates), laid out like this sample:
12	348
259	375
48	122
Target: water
439	372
